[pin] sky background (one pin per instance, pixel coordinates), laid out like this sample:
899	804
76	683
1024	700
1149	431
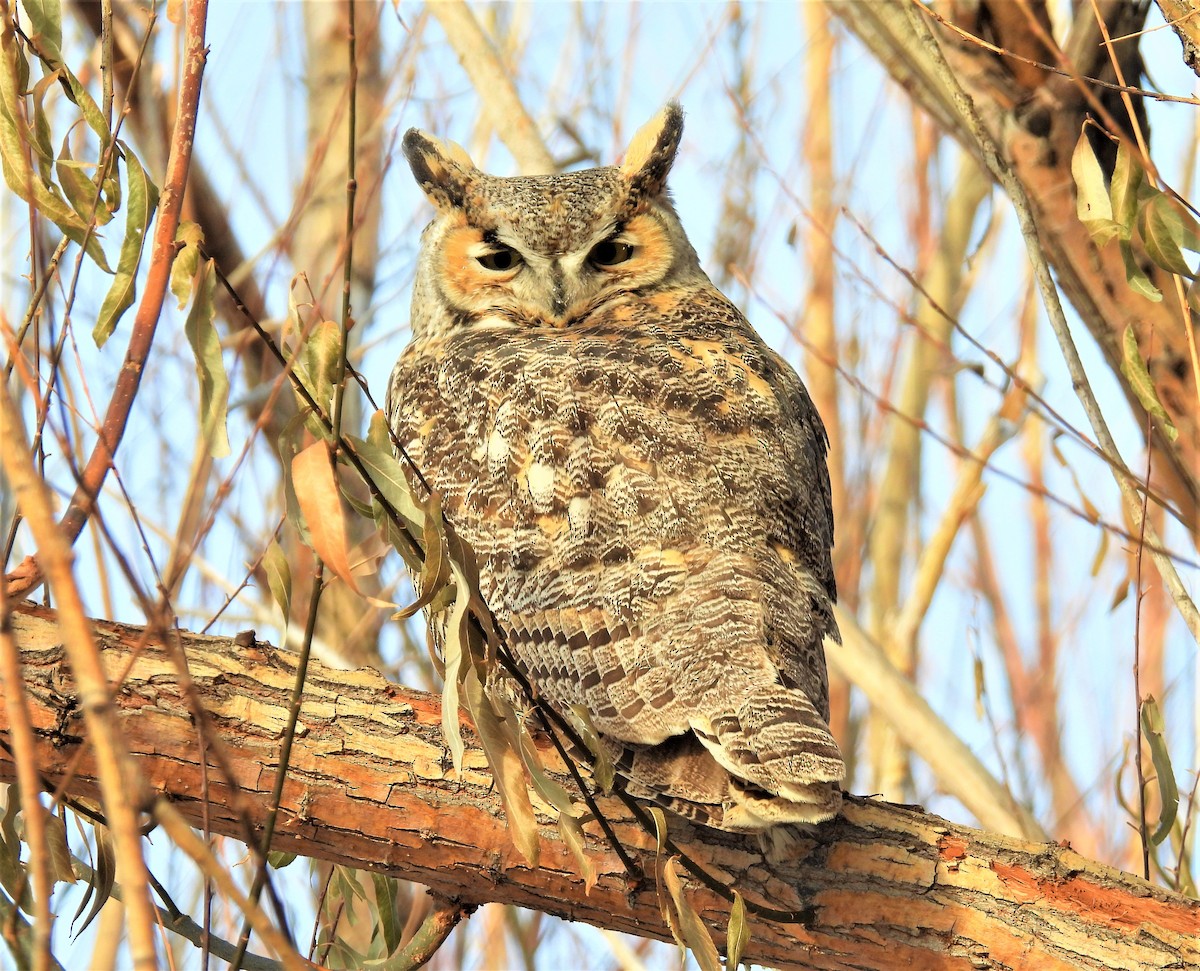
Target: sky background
252	141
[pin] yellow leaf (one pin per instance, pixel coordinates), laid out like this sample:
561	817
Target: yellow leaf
1135	371
1092	204
699	941
737	936
506	768
572	835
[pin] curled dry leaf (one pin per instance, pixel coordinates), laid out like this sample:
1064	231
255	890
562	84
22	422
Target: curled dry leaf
321	505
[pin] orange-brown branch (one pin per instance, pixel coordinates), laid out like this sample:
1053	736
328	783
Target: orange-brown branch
371	787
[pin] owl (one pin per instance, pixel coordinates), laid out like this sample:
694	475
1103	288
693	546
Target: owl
642	479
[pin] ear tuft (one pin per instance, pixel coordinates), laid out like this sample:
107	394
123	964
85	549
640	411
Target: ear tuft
443	170
652	151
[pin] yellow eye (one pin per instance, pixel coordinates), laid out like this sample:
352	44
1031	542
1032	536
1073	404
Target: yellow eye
610	253
501	259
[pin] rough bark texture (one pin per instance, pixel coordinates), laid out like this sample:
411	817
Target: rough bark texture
882	887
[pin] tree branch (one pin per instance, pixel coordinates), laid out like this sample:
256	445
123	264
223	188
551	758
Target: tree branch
370	787
1035	130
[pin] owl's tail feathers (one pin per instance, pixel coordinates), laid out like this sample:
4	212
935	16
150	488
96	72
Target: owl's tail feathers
784	763
681	775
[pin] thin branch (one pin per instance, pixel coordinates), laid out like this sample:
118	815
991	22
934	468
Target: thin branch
1058	321
501	100
445	915
958	770
146	320
180	832
179	923
123	789
29	786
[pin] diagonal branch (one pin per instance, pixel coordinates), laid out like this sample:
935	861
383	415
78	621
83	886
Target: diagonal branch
882	886
145	322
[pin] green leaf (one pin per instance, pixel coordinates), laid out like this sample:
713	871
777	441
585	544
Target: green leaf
498	745
1161	226
288	444
279	578
389	477
40	142
1126	181
1134	369
980	687
278	859
433	572
187	261
737	936
210	367
317	362
45	26
78	186
1138	281
140	205
1092	203
546	787
1193	296
346	886
88	108
1153	730
387	912
14	136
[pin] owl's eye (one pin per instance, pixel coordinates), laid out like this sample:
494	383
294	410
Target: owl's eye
501	259
610	253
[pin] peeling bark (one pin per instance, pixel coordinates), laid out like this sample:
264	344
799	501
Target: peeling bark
371	787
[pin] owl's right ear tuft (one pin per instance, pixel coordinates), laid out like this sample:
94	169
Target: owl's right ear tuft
652	151
443	170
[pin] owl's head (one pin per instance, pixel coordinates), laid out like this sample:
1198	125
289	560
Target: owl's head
546	250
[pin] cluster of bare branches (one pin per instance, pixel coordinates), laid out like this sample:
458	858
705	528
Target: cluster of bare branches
970	227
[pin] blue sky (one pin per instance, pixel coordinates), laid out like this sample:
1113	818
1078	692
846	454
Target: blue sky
251	139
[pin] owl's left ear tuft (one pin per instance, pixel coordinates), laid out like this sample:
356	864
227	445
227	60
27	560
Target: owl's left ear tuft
652	151
443	170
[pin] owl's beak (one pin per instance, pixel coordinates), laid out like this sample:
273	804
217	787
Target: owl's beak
558	290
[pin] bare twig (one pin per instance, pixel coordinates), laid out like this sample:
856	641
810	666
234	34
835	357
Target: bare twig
495	88
958	770
1058	321
29	785
162	256
443	918
181	834
123	788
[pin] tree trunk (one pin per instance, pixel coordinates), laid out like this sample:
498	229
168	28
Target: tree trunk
371	787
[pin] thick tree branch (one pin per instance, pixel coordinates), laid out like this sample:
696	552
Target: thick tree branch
882	886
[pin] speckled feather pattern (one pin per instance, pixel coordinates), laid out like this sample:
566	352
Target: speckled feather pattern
643	482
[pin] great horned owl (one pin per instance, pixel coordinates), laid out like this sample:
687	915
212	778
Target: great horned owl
642	479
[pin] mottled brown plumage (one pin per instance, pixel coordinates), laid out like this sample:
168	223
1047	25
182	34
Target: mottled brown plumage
642	479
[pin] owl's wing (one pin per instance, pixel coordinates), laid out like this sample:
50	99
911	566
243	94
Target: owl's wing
804	526
650	508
